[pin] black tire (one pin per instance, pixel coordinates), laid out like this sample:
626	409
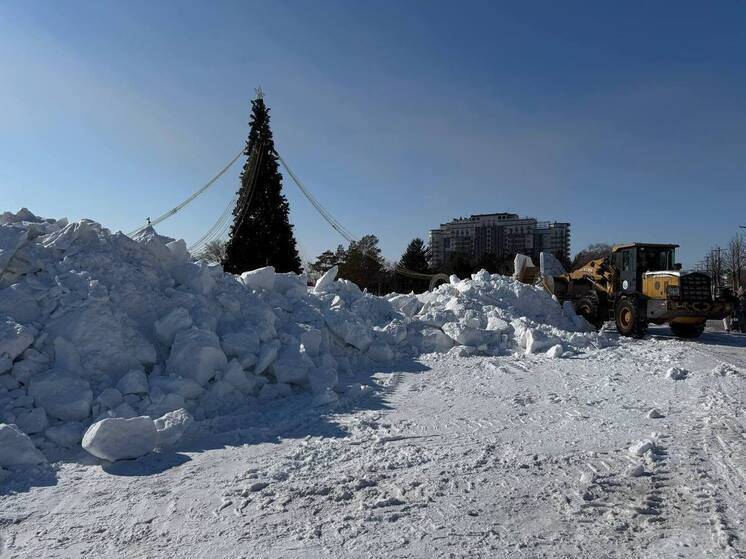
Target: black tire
588	308
631	318
687	330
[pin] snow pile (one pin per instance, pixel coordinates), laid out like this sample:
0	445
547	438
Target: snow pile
495	314
96	326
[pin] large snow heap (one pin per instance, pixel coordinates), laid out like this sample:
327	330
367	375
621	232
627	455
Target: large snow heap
95	325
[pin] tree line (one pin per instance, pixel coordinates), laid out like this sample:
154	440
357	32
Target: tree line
726	265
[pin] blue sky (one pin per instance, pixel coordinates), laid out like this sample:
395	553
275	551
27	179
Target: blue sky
626	119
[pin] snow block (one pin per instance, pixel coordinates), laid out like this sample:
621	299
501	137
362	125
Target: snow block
185	387
8	382
62	395
166	328
121	439
326	281
67	435
66	356
178	250
172	426
467	335
497	324
17	302
110	398
236	376
267	355
348	327
11	239
310	338
239	344
134	382
261	278
14	338
16	448
639	448
196	354
435	340
291	365
194	276
32	421
408	305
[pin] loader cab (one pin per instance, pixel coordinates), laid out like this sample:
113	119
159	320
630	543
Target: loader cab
633	260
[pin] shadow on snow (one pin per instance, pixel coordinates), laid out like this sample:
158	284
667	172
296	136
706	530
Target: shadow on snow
293	417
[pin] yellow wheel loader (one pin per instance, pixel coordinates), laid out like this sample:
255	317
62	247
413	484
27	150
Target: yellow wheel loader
637	284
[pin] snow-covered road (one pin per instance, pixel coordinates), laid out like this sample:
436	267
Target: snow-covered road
444	456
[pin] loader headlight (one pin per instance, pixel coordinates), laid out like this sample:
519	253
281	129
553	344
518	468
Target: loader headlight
673	291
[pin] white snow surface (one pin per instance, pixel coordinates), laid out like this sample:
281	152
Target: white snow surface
253	415
443	455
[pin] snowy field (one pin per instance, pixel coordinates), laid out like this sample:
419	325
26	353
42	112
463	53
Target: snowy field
444	456
152	405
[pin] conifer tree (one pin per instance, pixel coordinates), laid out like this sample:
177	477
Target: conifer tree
261	234
324	262
363	263
414	259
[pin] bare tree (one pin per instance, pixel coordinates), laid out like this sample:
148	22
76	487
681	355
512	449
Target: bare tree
214	251
715	265
735	256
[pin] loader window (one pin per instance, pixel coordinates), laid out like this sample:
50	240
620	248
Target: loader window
625	260
657	259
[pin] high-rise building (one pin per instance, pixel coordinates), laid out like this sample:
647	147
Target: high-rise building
501	234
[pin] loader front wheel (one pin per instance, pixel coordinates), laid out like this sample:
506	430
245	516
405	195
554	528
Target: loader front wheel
630	317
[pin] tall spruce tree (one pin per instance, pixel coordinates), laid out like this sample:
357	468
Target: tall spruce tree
261	234
416	256
414	259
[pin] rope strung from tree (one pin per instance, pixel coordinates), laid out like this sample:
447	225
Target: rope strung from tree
339	228
222	225
186	202
217	229
336	225
399	269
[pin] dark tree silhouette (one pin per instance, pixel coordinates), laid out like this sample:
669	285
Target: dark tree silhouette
261	234
415	259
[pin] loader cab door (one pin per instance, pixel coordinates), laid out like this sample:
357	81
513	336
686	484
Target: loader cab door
625	261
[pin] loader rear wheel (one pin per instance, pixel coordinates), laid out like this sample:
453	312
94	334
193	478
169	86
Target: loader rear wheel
687	330
587	307
631	318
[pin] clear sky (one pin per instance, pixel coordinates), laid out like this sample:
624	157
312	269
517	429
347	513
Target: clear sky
627	119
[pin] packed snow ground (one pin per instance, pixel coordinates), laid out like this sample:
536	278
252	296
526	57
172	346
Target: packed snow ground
511	456
155	406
